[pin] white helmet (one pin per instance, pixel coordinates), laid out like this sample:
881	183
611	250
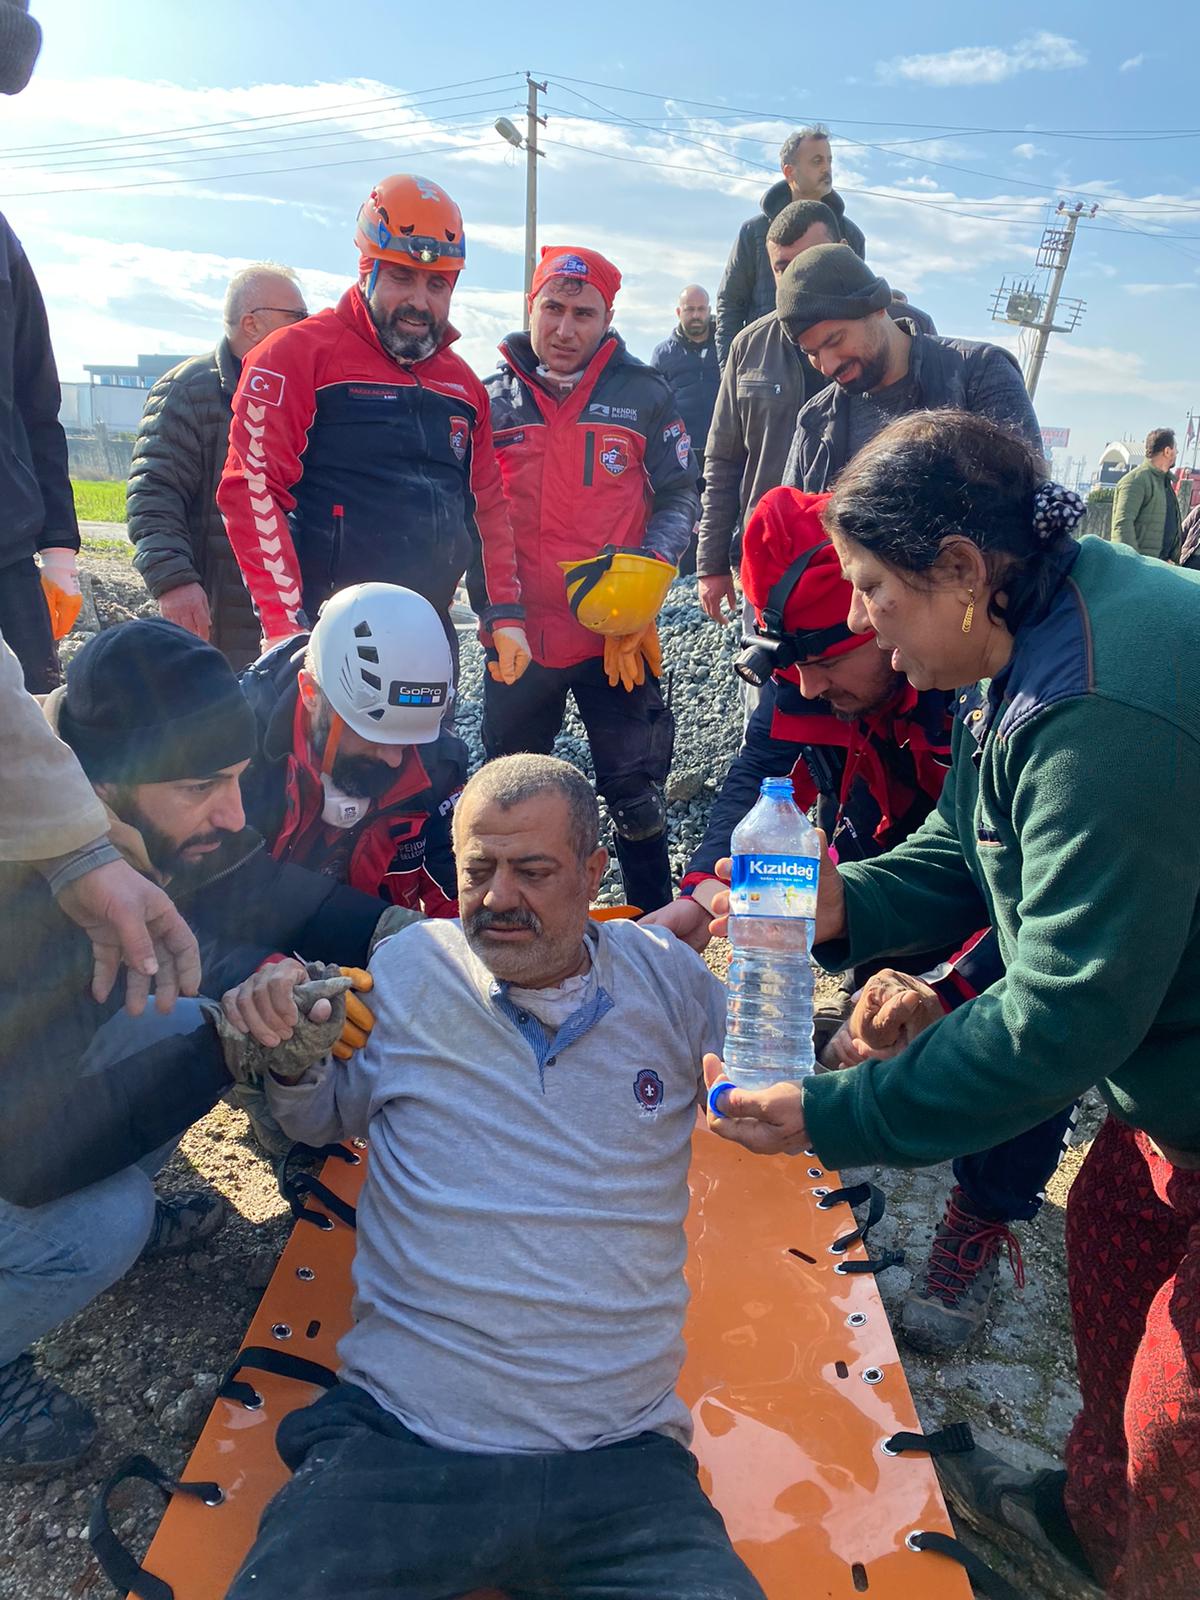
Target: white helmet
381	658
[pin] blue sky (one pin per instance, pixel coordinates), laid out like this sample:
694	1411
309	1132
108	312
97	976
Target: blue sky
951	129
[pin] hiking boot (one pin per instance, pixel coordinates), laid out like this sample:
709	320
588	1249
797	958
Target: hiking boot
948	1303
183	1222
1022	1513
42	1427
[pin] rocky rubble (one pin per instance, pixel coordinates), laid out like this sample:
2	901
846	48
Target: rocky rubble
698	681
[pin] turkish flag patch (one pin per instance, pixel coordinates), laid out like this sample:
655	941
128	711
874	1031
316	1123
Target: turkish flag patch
265	385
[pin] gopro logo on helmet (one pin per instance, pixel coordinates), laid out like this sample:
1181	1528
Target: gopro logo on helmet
417	694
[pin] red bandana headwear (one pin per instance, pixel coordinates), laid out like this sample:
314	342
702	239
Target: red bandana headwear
568	261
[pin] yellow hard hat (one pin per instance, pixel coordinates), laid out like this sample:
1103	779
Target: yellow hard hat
617	591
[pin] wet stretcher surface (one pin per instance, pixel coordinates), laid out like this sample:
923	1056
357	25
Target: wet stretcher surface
792	1377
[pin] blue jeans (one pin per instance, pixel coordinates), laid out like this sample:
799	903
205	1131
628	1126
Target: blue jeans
375	1513
1006	1183
55	1259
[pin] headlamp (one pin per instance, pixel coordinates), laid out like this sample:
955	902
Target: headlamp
772	647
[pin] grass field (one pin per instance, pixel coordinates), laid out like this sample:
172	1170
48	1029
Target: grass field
99	502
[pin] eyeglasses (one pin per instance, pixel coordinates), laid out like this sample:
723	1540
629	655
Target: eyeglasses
289	312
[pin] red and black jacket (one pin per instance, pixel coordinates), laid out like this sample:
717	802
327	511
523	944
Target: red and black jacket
873	780
609	465
346	467
401	850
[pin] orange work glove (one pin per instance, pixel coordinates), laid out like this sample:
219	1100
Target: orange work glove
60	585
651	649
512	649
627	655
623	663
360	1019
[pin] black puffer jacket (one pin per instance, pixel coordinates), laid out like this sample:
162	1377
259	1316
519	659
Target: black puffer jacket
178	533
747	289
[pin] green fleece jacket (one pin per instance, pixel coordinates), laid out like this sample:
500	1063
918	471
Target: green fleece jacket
1146	512
1069	822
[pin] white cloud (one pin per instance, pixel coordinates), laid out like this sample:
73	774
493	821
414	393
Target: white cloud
1157	288
985	63
1027	151
1133	63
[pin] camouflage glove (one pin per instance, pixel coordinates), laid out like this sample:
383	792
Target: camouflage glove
249	1061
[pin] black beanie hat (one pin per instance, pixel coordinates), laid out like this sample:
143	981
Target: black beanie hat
20	41
828	283
148	702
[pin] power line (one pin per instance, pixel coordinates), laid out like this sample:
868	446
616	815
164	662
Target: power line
1106	135
261	172
974	172
240	152
279	118
878	194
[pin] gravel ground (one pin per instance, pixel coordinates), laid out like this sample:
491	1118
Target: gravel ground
150	1372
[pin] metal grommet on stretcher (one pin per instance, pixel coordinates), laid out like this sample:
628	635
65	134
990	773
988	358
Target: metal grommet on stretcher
749	1220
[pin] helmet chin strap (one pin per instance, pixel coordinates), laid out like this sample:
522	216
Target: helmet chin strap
336	725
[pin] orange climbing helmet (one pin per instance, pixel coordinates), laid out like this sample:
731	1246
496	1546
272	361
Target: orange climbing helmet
412	222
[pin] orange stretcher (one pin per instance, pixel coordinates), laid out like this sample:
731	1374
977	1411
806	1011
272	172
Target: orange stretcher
791	1375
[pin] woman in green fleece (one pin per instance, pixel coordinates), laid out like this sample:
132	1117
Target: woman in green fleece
1068	821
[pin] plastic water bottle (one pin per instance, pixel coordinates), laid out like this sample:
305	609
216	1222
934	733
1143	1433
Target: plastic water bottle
773	906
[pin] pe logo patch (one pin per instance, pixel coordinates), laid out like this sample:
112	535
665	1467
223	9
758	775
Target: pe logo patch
460	433
648	1090
264	385
570	267
614	454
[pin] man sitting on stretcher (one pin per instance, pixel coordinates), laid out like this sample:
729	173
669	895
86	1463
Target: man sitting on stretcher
507	1413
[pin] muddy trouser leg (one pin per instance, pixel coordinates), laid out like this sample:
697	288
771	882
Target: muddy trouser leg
1007	1183
56	1258
525	715
25	624
375	1513
632	736
1133	1457
630	1521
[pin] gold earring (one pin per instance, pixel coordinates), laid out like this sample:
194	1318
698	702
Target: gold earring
969	614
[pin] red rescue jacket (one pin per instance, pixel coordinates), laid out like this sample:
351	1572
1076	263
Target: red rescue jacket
346	467
610	464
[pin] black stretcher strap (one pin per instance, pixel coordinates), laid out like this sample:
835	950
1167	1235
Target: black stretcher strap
855	1195
294	1189
263	1358
984	1579
953	1440
125	1574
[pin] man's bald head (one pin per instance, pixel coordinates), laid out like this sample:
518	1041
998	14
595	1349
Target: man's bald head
694	312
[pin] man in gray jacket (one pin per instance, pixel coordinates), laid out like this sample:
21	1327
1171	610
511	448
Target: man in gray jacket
764	382
748	287
519	1291
180	545
839	315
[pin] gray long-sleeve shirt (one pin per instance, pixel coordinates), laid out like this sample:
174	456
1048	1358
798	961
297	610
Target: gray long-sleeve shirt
519	1273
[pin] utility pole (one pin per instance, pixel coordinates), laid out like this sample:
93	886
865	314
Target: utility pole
1193	435
1029	306
528	143
531	154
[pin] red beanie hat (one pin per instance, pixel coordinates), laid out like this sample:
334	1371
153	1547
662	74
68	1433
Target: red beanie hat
589	266
784	524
